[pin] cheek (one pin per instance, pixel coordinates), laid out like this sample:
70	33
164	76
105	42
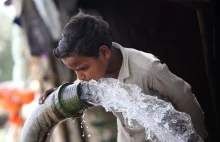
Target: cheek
96	72
101	68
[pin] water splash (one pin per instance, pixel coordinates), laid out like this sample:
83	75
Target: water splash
158	117
83	123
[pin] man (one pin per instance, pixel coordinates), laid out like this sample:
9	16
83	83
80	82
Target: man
87	48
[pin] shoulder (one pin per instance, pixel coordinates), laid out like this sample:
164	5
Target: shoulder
141	59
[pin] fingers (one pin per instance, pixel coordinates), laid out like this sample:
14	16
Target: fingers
45	94
40	100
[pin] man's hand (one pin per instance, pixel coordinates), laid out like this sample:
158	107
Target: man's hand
45	94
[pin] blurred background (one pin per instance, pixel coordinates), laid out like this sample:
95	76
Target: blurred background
180	33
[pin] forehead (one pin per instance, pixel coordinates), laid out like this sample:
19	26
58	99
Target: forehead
76	60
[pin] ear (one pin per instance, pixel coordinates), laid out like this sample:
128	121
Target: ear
105	52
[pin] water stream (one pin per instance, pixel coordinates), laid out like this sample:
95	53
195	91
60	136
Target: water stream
159	118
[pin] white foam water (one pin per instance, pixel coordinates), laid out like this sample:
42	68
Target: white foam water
159	118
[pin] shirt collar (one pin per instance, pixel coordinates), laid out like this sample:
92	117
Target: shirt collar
124	71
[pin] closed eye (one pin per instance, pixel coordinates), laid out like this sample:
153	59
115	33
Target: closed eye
82	68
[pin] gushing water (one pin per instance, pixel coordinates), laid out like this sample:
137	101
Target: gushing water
159	118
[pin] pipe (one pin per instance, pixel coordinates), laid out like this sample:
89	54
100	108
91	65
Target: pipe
63	103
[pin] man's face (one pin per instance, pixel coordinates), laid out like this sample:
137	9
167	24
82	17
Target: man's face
87	68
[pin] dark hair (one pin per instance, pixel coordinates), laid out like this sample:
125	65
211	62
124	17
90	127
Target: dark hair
83	35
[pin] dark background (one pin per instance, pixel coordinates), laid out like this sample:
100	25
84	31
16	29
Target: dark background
180	34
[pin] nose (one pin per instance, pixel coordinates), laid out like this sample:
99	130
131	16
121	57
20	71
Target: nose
80	76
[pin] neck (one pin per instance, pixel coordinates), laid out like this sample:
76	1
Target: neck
114	64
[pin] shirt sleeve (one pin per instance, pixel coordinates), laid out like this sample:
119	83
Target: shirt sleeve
179	92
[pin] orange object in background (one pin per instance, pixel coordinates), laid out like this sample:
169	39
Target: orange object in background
12	99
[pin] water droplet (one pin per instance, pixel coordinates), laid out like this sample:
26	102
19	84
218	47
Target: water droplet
83	115
83	135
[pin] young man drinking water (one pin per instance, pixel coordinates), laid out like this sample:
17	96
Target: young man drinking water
87	48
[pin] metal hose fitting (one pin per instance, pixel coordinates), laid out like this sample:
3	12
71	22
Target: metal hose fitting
61	104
